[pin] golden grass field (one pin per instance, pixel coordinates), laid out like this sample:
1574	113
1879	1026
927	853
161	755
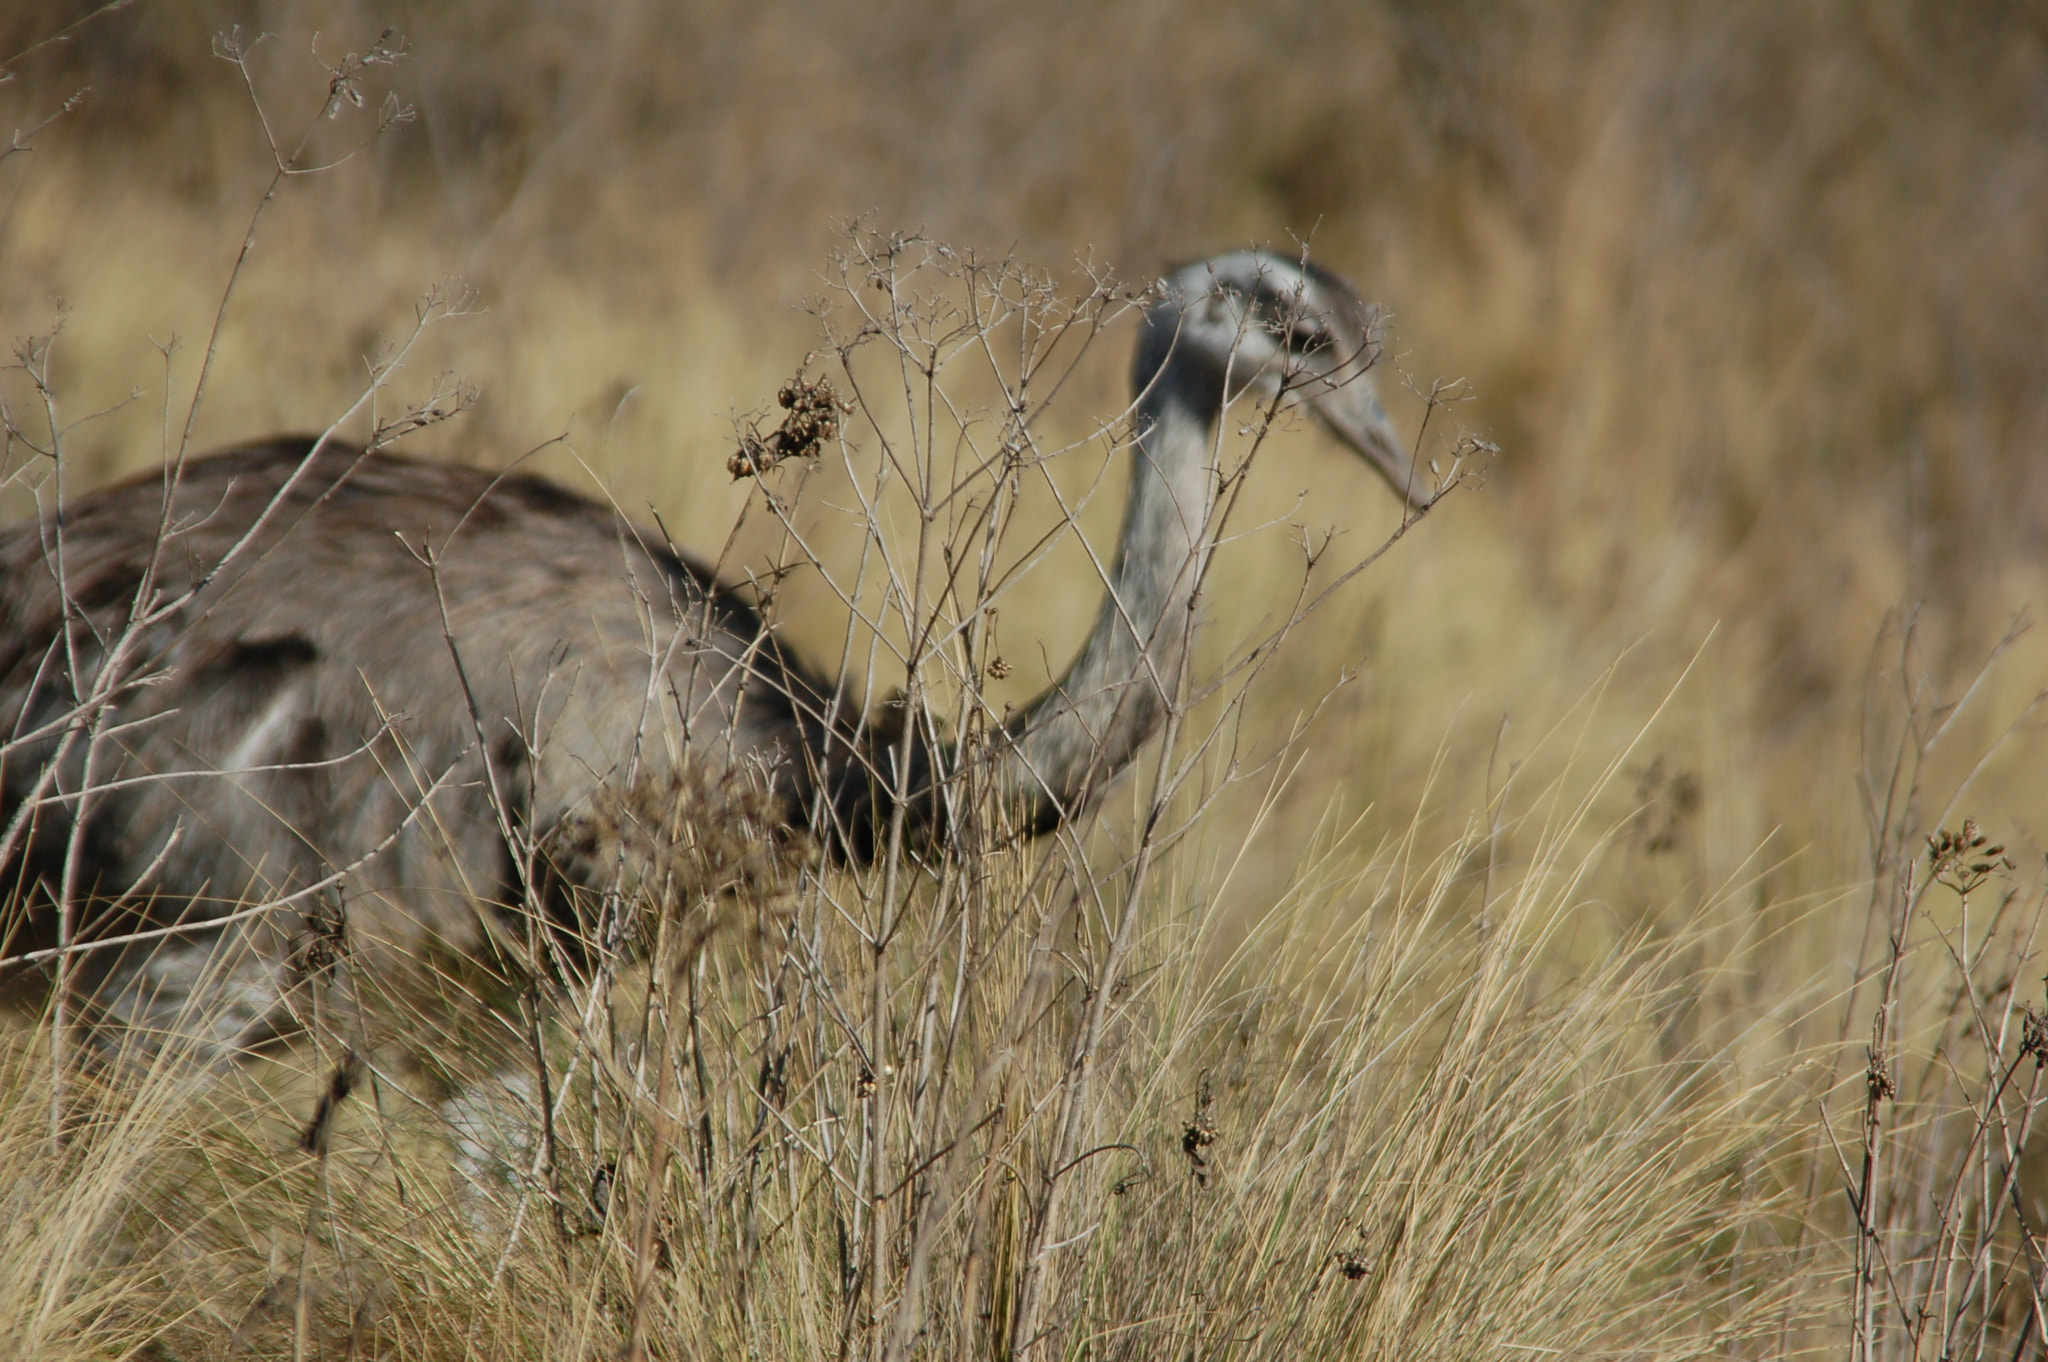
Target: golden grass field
1525	975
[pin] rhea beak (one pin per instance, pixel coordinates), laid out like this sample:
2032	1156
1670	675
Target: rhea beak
1353	413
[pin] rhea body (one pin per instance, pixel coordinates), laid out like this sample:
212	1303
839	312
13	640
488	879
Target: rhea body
328	706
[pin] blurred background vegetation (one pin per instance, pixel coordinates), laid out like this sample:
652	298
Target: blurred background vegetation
1750	293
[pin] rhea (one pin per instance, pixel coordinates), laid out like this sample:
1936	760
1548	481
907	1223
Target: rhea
325	703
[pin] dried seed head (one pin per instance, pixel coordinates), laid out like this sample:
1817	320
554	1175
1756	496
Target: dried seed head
1355	1263
2034	1036
324	943
1964	860
814	408
1199	1133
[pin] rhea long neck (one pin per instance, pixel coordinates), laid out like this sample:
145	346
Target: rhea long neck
1094	719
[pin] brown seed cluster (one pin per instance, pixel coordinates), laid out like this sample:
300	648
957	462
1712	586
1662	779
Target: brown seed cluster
1878	1078
1355	1263
814	408
323	945
1964	860
1199	1133
2034	1036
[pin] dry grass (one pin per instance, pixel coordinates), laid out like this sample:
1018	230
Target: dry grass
1380	1123
1750	296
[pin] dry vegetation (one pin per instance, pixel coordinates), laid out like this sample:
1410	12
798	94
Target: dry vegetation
1577	978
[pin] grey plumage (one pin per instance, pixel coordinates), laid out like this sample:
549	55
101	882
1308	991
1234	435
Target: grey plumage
305	711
